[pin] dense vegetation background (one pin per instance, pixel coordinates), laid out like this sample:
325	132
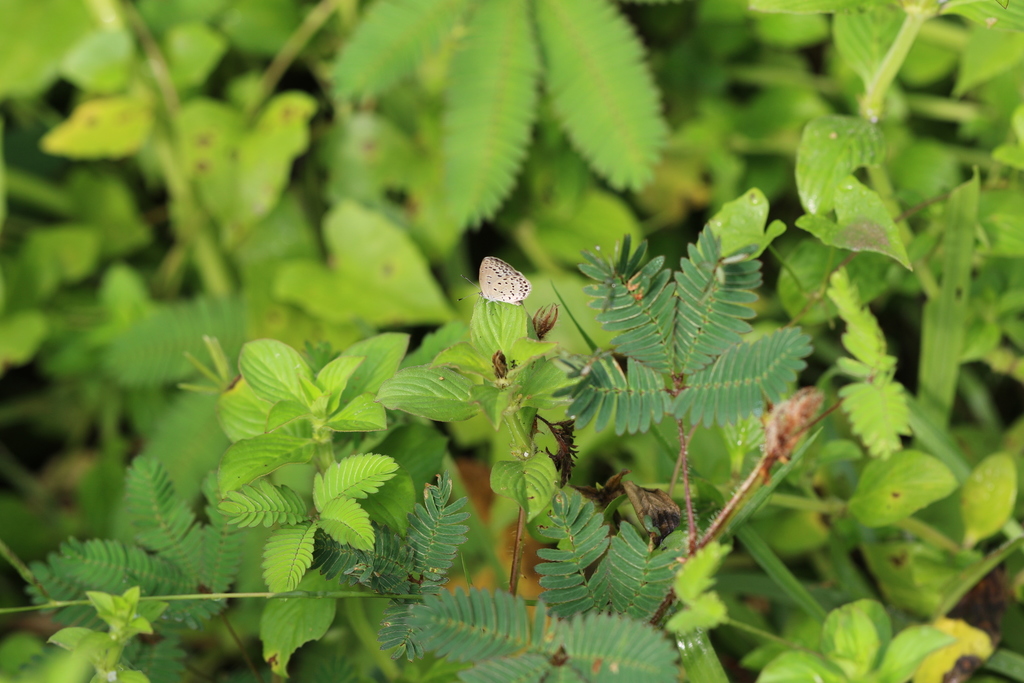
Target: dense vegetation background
182	177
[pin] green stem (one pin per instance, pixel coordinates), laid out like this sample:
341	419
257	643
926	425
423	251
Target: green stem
323	455
478	535
874	97
928	533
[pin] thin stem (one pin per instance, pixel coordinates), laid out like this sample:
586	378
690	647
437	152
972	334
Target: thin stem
926	532
157	63
517	552
313	22
479	537
241	648
767	635
874	96
26	574
367	634
683	464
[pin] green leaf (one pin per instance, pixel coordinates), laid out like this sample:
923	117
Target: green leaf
831	148
863	223
496	326
863	337
356	476
249	459
806	6
334	376
466	358
471	626
362	414
275	371
192	51
493	402
800	667
491	107
392	38
863	38
779	572
890	490
988	53
383	353
988	497
104	128
368	253
21	335
287	556
242	414
602	90
436	393
531	483
393	503
34	43
596	217
741	223
347	522
907	650
582	539
703	612
288	623
946	315
878	415
605	648
854	635
1009	18
100	62
264	504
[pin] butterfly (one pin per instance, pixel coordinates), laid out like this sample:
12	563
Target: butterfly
501	282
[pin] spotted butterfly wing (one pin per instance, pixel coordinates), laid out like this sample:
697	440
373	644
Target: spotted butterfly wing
501	282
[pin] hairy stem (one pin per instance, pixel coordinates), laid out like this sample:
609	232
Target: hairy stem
683	465
241	648
517	553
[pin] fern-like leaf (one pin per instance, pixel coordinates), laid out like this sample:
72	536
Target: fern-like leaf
162	661
393	37
264	504
713	297
584	539
162	521
878	414
111	567
152	351
436	532
636	398
528	667
491	106
636	578
613	647
347	522
287	555
740	380
385	569
220	551
602	90
472	626
356	476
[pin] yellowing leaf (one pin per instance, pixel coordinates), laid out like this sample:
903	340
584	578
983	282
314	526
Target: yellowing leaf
105	128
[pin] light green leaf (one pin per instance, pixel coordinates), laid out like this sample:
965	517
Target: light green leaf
890	490
466	358
908	650
356	476
598	217
863	38
863	337
242	414
496	326
383	353
285	412
741	222
249	459
493	401
853	636
34	43
100	62
287	555
990	15
21	334
801	667
878	414
275	371
333	377
491	106
347	522
288	623
531	483
439	393
192	51
369	253
831	148
601	88
863	223
697	575
806	6
703	612
362	414
988	54
104	128
988	497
